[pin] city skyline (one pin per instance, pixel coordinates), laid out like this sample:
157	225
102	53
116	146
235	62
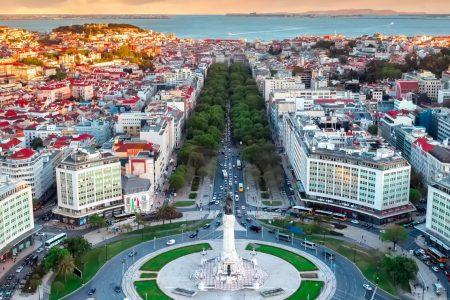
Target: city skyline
204	7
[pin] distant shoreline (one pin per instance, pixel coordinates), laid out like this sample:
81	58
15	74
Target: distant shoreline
16	17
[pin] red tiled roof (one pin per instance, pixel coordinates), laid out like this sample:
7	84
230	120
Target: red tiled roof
24	153
408	85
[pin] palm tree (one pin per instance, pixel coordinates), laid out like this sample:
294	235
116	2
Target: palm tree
66	266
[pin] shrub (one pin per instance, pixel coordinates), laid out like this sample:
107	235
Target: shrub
195	183
192	195
262	184
265	195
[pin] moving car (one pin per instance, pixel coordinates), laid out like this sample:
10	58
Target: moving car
255	228
206	226
19	269
170	242
193	235
92	291
368	287
354	221
132	253
118	289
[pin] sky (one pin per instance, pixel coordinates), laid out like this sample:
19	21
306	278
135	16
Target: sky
211	6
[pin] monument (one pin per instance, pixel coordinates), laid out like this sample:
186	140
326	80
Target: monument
229	271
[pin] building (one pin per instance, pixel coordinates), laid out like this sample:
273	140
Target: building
16	217
33	167
289	83
438	215
138	194
392	120
430	159
405	88
88	182
148	165
341	172
82	91
100	129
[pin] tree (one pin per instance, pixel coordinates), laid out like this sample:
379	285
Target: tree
37	143
97	221
197	160
138	219
167	212
66	266
373	129
395	234
35	281
127	227
401	269
77	246
414	196
54	256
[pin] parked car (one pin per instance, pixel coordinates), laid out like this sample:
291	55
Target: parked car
19	269
354	221
435	268
368	287
118	289
170	242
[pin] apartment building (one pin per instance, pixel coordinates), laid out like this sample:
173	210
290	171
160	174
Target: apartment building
431	159
343	173
88	182
148	165
16	217
438	215
33	167
289	83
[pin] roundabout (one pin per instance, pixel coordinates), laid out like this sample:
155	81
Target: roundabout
309	277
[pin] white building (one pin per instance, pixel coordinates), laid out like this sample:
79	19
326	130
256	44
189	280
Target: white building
431	159
16	217
345	177
438	214
88	182
290	83
138	195
30	166
82	90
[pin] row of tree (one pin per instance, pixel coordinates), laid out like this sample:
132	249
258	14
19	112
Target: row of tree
250	122
204	128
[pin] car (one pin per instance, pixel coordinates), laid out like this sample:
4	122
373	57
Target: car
368	287
118	289
92	291
236	197
219	215
214	198
244	224
435	268
193	235
39	250
354	221
40	234
206	226
243	207
218	223
132	253
255	228
382	231
272	230
19	269
170	242
217	203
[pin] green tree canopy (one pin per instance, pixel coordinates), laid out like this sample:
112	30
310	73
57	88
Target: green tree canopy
54	256
77	246
401	269
394	233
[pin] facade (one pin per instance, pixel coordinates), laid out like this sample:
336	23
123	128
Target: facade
148	165
101	130
138	194
290	83
36	169
366	184
16	217
82	91
88	182
430	159
438	214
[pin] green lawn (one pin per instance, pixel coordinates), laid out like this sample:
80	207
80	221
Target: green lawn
308	290
149	275
149	290
272	203
363	258
183	203
96	258
156	263
299	262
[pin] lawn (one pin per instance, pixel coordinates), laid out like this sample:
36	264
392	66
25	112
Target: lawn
299	262
96	258
363	258
158	262
183	203
308	290
149	275
272	203
149	290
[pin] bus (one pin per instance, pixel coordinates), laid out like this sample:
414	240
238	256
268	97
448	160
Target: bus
54	241
308	244
284	237
238	164
324	212
302	209
241	187
224	173
340	217
436	255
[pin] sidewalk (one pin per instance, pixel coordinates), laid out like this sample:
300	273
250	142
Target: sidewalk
97	236
9	264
